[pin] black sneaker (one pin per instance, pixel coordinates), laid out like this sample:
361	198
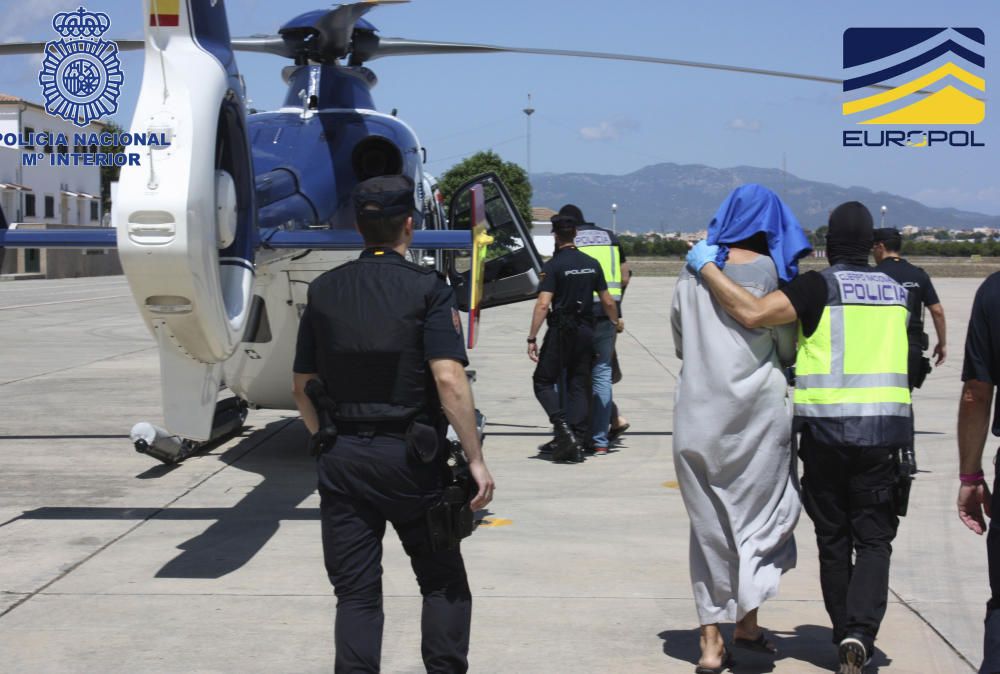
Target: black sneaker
853	656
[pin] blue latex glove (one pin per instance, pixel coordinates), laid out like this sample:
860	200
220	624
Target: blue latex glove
700	255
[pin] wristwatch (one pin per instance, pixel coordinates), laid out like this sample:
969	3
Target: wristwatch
532	340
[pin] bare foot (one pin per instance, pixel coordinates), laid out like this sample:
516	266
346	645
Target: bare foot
713	647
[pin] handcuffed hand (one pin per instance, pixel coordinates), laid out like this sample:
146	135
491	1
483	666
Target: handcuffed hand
700	255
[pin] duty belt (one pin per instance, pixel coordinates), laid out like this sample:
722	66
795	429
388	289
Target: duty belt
391	429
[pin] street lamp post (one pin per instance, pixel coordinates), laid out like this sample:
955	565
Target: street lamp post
528	111
884	209
614	218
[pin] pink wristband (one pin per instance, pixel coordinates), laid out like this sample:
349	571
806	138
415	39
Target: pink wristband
971	478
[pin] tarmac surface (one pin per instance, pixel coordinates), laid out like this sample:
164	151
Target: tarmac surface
113	563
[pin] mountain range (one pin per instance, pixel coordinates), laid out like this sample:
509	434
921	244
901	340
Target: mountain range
684	197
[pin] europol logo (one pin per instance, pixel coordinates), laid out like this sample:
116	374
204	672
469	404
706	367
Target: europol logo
928	77
81	74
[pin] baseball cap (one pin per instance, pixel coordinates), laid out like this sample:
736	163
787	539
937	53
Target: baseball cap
886	234
572	211
383	196
562	223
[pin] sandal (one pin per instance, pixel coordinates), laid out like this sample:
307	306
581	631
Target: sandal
617	431
727	663
759	645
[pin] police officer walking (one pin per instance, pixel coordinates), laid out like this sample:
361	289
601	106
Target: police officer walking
565	301
920	294
383	337
852	407
602	245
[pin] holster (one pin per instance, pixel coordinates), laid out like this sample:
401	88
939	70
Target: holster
324	439
451	519
422	441
923	370
904	480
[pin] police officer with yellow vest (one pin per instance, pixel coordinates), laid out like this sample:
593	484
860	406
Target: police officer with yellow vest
603	246
381	341
852	407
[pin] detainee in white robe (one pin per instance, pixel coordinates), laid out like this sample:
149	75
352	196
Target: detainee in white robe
732	446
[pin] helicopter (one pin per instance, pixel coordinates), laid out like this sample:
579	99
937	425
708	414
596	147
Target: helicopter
221	229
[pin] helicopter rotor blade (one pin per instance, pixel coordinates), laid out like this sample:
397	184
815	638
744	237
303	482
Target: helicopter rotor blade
336	27
23	48
263	44
396	46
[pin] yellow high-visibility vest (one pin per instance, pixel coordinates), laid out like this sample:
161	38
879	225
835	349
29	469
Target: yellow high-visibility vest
599	244
851	383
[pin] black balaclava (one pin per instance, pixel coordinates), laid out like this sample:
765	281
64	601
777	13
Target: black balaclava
850	234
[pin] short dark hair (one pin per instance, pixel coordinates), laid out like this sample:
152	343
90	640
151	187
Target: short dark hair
564	235
379	229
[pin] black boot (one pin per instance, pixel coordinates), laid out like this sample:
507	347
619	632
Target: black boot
567	448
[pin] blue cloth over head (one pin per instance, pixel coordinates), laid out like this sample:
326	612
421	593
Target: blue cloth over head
750	209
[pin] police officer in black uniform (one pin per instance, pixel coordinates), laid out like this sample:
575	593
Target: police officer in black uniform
565	302
920	294
383	336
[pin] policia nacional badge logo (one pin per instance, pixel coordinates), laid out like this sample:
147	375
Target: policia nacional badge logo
81	75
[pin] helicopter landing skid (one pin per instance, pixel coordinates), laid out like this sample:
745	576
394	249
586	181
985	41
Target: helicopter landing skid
172	449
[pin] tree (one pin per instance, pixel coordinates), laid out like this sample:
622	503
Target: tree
515	179
819	237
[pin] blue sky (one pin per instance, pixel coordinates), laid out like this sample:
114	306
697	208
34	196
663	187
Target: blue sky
613	117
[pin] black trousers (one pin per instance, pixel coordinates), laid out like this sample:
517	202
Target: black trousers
565	361
847	492
363	483
991	640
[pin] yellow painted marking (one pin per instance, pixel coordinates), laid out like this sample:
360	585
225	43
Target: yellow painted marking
495	522
671	484
167	7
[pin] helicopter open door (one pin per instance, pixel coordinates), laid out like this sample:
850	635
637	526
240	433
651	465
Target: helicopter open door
513	266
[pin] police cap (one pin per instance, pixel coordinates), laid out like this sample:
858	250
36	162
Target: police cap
564	223
887	234
573	211
383	196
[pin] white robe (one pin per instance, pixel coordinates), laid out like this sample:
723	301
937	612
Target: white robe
732	446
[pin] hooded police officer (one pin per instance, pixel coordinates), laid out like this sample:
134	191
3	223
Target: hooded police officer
565	301
383	336
852	407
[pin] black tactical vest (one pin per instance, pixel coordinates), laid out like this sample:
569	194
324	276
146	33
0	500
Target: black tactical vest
368	316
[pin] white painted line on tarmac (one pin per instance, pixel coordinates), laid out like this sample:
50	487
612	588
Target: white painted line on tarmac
46	304
41	284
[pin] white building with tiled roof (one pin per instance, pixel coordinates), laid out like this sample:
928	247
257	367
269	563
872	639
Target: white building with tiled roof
43	195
